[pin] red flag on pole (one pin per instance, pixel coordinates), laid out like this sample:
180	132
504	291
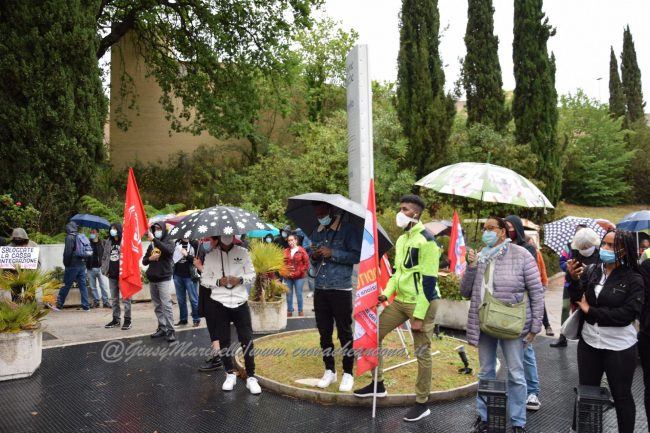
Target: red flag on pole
457	248
365	305
134	226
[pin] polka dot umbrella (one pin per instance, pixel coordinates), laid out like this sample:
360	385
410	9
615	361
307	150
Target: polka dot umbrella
217	221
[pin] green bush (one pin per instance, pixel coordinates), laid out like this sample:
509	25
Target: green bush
449	286
16	214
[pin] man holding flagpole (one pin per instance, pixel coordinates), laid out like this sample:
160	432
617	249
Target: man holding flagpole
414	284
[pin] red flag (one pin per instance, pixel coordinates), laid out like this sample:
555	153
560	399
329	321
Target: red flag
457	248
134	226
365	305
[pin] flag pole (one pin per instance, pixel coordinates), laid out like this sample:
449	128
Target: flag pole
374	395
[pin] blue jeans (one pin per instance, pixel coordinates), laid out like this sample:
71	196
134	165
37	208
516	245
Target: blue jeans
70	275
187	286
297	286
95	275
530	370
513	352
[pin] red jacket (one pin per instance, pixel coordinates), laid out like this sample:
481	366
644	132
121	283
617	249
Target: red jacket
298	264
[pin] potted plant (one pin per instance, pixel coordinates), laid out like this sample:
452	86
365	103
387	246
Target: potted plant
267	304
453	308
21	336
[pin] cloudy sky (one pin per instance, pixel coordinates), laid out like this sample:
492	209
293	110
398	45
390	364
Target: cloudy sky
585	31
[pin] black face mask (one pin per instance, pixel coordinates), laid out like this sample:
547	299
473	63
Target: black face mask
20	242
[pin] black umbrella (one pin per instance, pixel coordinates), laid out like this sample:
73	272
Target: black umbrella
301	212
217	221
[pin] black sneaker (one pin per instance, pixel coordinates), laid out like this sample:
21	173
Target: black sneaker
127	325
107	305
171	336
561	342
479	426
518	429
181	323
417	412
95	304
83	308
211	364
159	333
59	306
113	323
367	391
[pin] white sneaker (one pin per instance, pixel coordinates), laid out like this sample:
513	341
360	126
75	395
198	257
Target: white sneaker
230	382
328	378
532	403
347	382
310	295
253	386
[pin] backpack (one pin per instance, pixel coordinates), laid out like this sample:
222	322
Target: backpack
82	247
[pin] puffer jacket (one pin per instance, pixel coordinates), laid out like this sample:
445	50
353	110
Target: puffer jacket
516	271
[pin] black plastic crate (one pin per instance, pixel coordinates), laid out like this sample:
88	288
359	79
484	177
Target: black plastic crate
590	404
493	393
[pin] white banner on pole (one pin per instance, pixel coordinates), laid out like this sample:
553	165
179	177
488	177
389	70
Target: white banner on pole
26	257
359	107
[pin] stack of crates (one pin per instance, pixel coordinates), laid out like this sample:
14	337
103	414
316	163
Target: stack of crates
590	404
493	393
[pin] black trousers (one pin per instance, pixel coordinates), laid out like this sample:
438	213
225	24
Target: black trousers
644	353
241	318
207	309
545	321
619	367
333	306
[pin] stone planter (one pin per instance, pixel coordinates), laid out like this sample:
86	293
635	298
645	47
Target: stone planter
268	317
20	353
452	314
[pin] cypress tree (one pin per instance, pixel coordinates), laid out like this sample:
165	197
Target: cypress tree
616	94
425	112
534	106
631	78
481	69
52	105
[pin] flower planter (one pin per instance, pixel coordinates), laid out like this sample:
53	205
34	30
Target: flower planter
268	317
20	353
452	314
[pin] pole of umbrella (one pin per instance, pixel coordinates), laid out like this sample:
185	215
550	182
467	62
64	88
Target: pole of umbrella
478	216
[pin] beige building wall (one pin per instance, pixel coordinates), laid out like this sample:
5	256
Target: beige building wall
149	137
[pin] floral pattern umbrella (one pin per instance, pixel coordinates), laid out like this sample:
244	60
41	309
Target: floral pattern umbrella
487	183
217	221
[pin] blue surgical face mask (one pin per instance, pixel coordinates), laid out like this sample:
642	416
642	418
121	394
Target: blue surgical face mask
325	221
207	246
92	236
268	240
113	232
607	256
158	234
489	238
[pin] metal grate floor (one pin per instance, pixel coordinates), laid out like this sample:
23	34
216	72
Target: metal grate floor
76	391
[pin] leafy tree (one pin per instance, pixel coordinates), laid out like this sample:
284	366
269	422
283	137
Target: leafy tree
639	142
425	112
481	73
631	77
616	93
52	106
595	172
322	58
534	106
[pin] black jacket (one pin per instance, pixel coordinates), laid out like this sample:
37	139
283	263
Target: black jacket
162	269
98	253
70	259
645	314
521	235
620	301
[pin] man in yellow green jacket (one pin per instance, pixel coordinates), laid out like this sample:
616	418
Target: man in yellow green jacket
416	299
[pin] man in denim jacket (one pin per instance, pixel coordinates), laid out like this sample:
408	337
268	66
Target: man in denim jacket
336	248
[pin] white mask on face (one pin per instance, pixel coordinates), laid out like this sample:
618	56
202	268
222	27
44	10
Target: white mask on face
226	239
588	252
402	220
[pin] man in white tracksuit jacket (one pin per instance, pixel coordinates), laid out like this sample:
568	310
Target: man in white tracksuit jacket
226	269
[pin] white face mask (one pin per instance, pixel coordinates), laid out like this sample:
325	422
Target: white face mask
226	239
402	220
588	252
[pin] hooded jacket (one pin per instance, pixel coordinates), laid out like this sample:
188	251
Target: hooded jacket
109	243
521	235
70	260
644	328
20	233
163	269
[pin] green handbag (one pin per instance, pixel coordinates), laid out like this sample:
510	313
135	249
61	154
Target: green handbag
500	319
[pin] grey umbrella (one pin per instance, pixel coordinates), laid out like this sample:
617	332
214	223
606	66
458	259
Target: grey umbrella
217	221
301	212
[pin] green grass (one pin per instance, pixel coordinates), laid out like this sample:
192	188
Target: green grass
614	214
289	367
